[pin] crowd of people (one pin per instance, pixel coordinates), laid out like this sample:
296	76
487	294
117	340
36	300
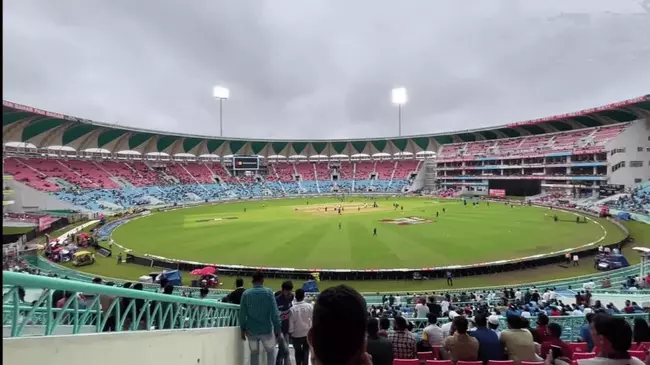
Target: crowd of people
340	328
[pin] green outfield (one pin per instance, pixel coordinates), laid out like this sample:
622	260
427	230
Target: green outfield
299	233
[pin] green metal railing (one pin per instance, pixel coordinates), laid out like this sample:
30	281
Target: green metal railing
81	311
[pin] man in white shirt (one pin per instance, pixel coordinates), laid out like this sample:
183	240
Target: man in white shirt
546	296
432	332
444	305
446	328
518	294
421	310
398	301
300	315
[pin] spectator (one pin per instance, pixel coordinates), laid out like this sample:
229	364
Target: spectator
613	336
542	330
421	309
379	348
234	296
585	332
555	331
460	346
300	316
641	331
432	333
493	324
338	328
284	299
446	328
404	342
259	320
518	341
489	347
384	325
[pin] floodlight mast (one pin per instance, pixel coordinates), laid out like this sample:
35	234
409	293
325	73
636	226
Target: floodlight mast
221	93
399	97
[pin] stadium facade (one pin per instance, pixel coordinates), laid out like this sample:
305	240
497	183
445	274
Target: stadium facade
105	167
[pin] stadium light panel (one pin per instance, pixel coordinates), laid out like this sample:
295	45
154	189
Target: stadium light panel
220	92
399	96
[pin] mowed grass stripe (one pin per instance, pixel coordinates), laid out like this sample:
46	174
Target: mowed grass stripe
371	251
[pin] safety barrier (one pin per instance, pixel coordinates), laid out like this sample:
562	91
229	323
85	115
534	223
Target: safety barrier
104	308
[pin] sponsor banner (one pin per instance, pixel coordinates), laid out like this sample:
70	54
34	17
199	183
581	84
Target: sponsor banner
582	112
499	193
30	109
45	222
406	221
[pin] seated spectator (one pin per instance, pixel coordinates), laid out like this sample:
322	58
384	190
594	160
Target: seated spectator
493	324
542	331
489	347
641	331
404	342
432	333
338	332
460	346
518	341
585	332
379	348
555	331
384	326
613	336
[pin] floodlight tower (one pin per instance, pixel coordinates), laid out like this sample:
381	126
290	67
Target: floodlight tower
221	93
399	97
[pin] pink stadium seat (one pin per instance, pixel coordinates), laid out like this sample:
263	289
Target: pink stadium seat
438	362
639	354
423	356
578	346
406	362
469	363
532	362
583	355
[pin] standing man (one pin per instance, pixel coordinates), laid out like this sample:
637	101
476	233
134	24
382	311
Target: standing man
339	226
450	279
374	231
259	320
235	296
284	300
300	316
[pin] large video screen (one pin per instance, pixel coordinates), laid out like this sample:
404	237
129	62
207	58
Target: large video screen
245	163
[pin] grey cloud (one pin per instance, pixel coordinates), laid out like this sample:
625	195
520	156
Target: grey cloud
323	68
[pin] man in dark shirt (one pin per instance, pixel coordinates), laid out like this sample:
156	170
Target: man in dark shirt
489	347
379	348
284	299
235	296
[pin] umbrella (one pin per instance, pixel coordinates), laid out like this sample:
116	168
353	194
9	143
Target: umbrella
196	272
208	270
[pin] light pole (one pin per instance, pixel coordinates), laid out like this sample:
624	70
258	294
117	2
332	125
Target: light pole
221	93
399	97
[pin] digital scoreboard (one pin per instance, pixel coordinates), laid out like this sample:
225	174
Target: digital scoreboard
245	163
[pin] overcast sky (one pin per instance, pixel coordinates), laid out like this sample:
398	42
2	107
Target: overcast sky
323	68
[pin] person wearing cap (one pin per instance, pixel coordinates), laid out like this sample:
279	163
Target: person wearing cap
489	345
493	324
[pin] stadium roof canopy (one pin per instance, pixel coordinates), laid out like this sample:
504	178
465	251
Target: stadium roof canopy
42	128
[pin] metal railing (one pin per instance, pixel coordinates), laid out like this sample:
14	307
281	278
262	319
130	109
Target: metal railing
87	307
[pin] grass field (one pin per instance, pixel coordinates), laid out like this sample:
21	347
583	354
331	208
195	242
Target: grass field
299	233
541	233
